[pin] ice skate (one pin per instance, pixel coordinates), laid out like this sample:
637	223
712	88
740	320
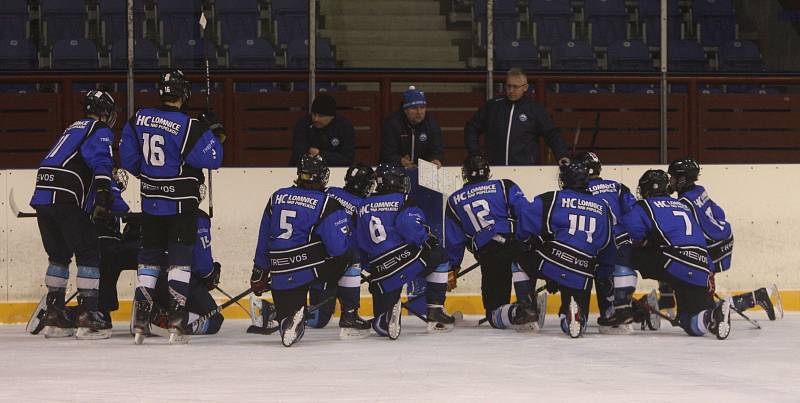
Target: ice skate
775	295
525	317
58	322
541	308
93	325
36	322
573	320
262	314
761	298
618	323
353	326
438	320
394	321
666	302
179	330
293	327
645	311
720	321
140	321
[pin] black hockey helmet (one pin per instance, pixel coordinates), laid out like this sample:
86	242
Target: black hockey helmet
574	176
685	171
102	105
173	86
591	161
312	172
359	179
653	183
475	169
391	178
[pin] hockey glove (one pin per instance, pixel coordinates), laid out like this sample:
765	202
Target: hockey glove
452	277
102	202
259	281
213	278
213	123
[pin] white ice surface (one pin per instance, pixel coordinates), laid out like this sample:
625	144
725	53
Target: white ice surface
465	365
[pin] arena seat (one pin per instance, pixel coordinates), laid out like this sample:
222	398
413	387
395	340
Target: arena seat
715	21
552	21
607	20
14	19
145	54
18	54
630	56
522	54
741	56
649	12
297	54
506	21
114	16
574	56
253	53
237	19
189	54
72	54
685	55
291	20
62	19
178	19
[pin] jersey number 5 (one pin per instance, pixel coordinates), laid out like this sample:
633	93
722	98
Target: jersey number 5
152	150
286	226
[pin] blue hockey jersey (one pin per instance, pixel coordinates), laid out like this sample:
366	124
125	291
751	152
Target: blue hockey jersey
349	201
669	225
619	200
480	212
716	230
202	260
390	230
167	150
75	165
572	234
300	229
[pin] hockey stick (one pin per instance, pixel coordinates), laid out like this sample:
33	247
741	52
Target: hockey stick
219	309
13	205
423	318
733	308
230	298
673	322
203	23
576	137
595	131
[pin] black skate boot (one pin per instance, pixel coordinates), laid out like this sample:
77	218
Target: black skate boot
761	297
353	326
293	327
644	311
618	323
438	320
57	320
720	320
93	325
141	321
525	317
179	329
263	317
666	299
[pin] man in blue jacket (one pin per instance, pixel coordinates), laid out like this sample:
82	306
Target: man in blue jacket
411	133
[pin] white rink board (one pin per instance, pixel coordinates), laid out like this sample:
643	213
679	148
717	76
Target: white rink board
762	208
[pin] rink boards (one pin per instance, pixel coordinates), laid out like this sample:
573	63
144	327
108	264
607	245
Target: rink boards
759	201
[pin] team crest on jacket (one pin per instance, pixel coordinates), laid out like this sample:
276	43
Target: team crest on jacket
523	117
423	137
334	142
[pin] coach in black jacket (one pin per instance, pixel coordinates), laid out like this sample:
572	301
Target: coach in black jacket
518	144
323	132
411	133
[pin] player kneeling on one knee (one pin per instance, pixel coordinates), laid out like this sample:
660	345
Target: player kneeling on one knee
392	235
671	248
304	237
570	233
481	217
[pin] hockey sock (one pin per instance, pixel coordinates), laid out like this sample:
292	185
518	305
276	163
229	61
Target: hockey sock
743	302
415	290
625	280
523	286
349	291
210	326
436	286
501	317
178	281
604	286
697	324
88	284
147	276
56	278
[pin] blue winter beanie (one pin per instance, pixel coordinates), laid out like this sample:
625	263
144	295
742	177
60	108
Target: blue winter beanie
413	98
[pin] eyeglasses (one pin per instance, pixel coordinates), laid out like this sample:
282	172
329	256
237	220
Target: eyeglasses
514	87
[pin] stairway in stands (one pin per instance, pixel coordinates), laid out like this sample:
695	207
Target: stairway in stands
391	34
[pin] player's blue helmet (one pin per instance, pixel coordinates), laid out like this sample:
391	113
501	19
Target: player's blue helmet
591	161
574	176
391	179
475	169
312	172
685	171
359	180
653	183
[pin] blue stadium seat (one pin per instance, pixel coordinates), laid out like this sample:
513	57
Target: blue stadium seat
608	21
114	19
686	55
740	56
291	20
255	53
14	19
523	54
237	19
506	20
715	21
145	54
650	17
75	54
630	56
189	54
62	19
573	56
552	21
178	19
297	54
18	54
